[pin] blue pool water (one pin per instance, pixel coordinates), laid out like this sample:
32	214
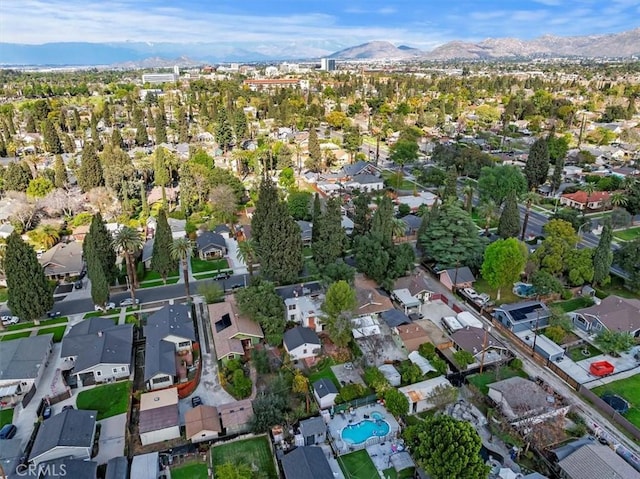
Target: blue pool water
524	290
363	430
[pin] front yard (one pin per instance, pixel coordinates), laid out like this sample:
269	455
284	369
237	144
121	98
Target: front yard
627	235
201	266
629	389
109	400
255	452
58	332
9	337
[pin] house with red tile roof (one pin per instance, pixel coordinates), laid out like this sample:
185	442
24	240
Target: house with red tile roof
581	200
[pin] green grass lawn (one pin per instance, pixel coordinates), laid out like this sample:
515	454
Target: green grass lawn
131	319
404	474
31	324
254	452
627	235
481	381
109	400
358	465
194	470
616	286
58	332
6	416
506	295
306	251
323	370
392	180
4	295
201	266
576	353
573	304
629	389
152	275
21	334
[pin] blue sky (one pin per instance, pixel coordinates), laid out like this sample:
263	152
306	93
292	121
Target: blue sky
420	23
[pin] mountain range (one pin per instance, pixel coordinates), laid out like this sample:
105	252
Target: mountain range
153	55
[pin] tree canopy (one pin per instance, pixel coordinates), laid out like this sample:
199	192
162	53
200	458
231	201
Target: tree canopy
504	261
262	304
498	181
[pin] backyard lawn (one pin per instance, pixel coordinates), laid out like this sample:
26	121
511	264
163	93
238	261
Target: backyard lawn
391	473
58	332
481	381
629	389
573	304
506	295
576	353
6	417
201	266
323	370
254	452
358	465
109	400
193	470
616	286
627	235
9	337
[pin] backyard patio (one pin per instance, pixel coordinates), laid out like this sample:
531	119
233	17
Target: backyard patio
368	425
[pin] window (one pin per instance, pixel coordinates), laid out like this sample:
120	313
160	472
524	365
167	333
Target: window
98	373
292	307
160	380
123	368
292	317
114	370
304	351
184	344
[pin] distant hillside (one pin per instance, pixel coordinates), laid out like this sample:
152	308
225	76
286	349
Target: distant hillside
376	51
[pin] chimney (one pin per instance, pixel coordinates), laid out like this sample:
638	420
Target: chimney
100	334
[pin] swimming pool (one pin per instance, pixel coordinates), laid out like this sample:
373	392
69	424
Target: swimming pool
361	431
524	290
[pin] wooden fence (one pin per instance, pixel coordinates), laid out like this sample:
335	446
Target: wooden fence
608	411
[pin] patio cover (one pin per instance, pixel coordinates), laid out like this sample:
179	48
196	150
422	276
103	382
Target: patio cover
423	363
404	296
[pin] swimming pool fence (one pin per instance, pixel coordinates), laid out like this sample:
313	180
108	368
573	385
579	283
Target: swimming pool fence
355	403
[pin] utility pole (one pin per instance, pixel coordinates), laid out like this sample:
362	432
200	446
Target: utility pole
484	347
535	334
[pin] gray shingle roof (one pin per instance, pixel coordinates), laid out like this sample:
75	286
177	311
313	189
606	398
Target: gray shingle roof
70	428
595	461
323	387
173	319
298	336
464	275
117	468
98	341
395	317
297	290
521	394
354	169
22	358
76	468
412	221
307	462
209	240
365	179
313	426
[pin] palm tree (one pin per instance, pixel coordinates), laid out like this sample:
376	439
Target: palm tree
398	228
529	198
128	242
618	198
467	191
247	253
489	211
589	188
182	250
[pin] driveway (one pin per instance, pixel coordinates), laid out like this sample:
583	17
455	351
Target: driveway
112	438
236	263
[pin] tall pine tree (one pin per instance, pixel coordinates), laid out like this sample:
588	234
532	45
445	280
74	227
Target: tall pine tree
603	256
30	295
161	125
382	222
59	173
97	248
314	163
330	241
315	218
161	260
537	166
224	132
509	223
51	139
361	215
99	284
90	172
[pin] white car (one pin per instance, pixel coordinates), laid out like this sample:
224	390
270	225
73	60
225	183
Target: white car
128	302
7	320
106	307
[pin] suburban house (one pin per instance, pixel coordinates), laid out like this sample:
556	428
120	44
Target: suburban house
159	416
395	317
412	336
22	363
325	392
306	462
211	245
596	461
302	304
370	301
358	168
415	201
69	433
419	394
301	343
202	423
457	278
613	313
484	347
233	334
63	261
145	466
11	454
306	230
365	183
169	336
524	402
313	431
236	416
412	223
76	468
178	227
524	315
581	200
223	230
99	350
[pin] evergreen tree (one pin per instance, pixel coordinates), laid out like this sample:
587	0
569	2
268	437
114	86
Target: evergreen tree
90	172
315	218
97	248
51	138
116	139
106	114
224	132
142	138
3	147
382	222
330	240
537	166
556	178
17	176
509	223
30	125
161	260
603	256
183	125
161	174
30	295
99	284
277	236
361	215
450	184
95	136
161	126
315	154
240	125
68	143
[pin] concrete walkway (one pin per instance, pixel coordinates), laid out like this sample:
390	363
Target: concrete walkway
112	438
236	263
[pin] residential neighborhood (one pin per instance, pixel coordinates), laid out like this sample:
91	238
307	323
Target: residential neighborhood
321	274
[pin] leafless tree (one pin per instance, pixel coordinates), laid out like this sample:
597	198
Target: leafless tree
60	202
104	200
27	212
223	201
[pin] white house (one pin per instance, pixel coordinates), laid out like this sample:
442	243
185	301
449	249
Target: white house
301	343
419	394
305	310
325	392
159	416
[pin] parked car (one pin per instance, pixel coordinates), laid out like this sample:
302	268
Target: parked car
78	284
7	320
196	401
53	314
68	406
46	413
224	275
128	302
8	431
233	287
415	316
106	307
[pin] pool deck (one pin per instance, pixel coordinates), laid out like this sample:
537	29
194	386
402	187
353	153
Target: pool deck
340	421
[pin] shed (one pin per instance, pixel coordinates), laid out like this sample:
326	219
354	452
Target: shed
467	319
543	345
423	363
117	468
145	466
159	416
313	430
419	394
391	374
404	297
395	317
325	392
